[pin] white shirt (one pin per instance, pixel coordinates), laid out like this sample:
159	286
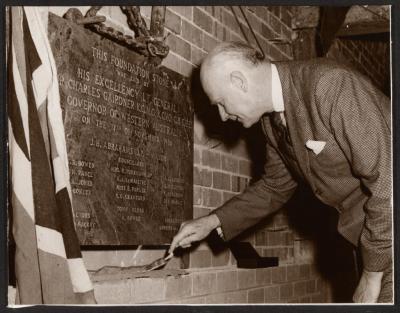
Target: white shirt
276	92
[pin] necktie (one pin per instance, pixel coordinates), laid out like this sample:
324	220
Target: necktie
280	128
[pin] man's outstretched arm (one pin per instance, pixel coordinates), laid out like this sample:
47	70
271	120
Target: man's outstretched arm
259	200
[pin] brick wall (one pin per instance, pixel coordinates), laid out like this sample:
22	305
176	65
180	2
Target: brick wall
220	171
368	55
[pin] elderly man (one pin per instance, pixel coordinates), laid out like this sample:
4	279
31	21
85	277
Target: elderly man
325	125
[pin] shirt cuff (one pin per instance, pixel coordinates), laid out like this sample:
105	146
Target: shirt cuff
220	232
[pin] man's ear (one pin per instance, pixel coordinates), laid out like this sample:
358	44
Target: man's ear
239	80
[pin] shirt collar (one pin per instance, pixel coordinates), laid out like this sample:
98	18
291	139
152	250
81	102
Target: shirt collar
276	90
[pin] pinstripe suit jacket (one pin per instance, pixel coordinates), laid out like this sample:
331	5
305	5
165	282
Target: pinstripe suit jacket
328	102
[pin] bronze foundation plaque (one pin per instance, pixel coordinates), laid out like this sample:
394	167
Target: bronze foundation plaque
129	132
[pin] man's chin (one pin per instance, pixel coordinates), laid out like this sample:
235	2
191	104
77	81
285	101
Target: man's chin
247	124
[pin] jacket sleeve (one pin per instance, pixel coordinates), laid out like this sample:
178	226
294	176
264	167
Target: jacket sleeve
360	122
258	200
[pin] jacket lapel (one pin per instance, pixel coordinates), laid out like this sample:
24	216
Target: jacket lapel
296	119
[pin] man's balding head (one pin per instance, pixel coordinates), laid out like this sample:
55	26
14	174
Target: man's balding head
236	79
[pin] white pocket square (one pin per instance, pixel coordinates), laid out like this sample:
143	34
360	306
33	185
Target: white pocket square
316	146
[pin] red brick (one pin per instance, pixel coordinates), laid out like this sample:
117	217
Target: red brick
227	281
221	181
287	33
229	164
321	285
217	12
260	238
286	15
172	62
197	55
180	287
199	212
230	297
278	274
202	19
229	20
285	49
185	11
256	295
179	46
290	253
289	238
310	286
197	195
318	299
286	291
246	278
305	300
254	22
200	258
226	196
244	182
293	272
239	183
212	198
202	177
283	254
276	238
263	276
196	156
304	271
221	258
261	12
209	43
113	292
208	9
267	32
173	21
211	159
185	68
148	290
300	289
314	271
192	34
271	294
219	31
204	283
235	183
245	167
275	10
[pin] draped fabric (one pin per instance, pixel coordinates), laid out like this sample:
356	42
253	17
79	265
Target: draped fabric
48	263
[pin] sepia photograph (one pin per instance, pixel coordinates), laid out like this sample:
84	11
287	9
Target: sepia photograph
199	155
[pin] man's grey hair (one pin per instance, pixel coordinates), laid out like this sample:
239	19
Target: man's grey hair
239	50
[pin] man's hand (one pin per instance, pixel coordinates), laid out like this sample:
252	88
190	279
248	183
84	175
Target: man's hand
194	230
368	288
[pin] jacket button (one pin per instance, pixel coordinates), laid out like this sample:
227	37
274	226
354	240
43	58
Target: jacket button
318	192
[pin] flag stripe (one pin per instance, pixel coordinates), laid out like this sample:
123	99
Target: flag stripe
32	58
79	275
50	240
67	227
21	177
28	277
13	105
43	226
18	42
43	197
56	281
59	174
